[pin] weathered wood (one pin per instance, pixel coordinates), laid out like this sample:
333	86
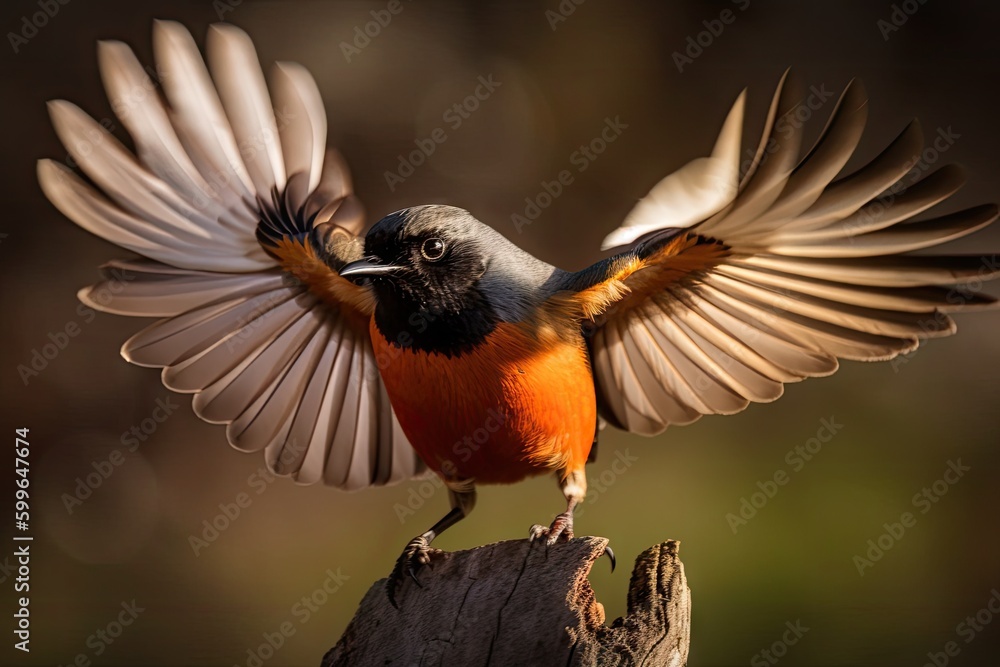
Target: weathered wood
514	603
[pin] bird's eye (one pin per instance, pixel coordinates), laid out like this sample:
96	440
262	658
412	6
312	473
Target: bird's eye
432	249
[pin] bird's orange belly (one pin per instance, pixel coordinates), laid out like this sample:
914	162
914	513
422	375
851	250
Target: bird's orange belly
511	407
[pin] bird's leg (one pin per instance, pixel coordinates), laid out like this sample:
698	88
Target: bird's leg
574	487
418	551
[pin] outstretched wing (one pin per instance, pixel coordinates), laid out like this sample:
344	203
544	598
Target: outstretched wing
242	218
732	287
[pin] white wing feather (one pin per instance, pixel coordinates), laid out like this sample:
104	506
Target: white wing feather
813	269
286	372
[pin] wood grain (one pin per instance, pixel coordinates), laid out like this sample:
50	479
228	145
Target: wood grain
514	603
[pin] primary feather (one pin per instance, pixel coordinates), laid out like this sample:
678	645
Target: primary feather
242	217
805	270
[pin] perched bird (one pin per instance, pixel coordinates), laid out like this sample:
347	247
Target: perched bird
431	341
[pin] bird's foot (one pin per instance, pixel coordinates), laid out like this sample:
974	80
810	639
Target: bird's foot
560	530
418	553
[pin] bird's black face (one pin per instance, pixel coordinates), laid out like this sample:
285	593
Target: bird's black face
425	265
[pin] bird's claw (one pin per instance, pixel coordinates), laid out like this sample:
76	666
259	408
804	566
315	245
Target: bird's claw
417	553
611	556
560	530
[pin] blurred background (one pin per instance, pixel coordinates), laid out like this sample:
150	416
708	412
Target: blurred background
129	535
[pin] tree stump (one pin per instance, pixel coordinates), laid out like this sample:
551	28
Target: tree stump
517	603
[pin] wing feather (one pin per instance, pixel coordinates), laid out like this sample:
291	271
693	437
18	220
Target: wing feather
889	271
824	161
726	368
241	217
247	104
251	333
151	289
877	213
141	111
800	268
225	399
308	433
303	124
197	114
665	391
776	157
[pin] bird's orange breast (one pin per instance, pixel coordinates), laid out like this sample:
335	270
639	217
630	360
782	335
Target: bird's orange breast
517	404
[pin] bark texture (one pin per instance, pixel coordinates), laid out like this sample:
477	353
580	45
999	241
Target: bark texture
514	603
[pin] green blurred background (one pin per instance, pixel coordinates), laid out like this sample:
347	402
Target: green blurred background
792	562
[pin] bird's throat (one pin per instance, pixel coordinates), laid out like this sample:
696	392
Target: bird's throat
407	324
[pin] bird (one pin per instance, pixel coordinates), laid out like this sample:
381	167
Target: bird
427	343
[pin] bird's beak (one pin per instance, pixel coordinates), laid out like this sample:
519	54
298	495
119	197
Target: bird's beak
366	268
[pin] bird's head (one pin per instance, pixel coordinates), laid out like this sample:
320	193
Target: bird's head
431	256
439	273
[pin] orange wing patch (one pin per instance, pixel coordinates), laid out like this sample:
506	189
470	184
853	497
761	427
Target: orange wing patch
631	279
683	259
302	262
596	299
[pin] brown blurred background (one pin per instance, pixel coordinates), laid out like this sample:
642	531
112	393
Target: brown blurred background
793	562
